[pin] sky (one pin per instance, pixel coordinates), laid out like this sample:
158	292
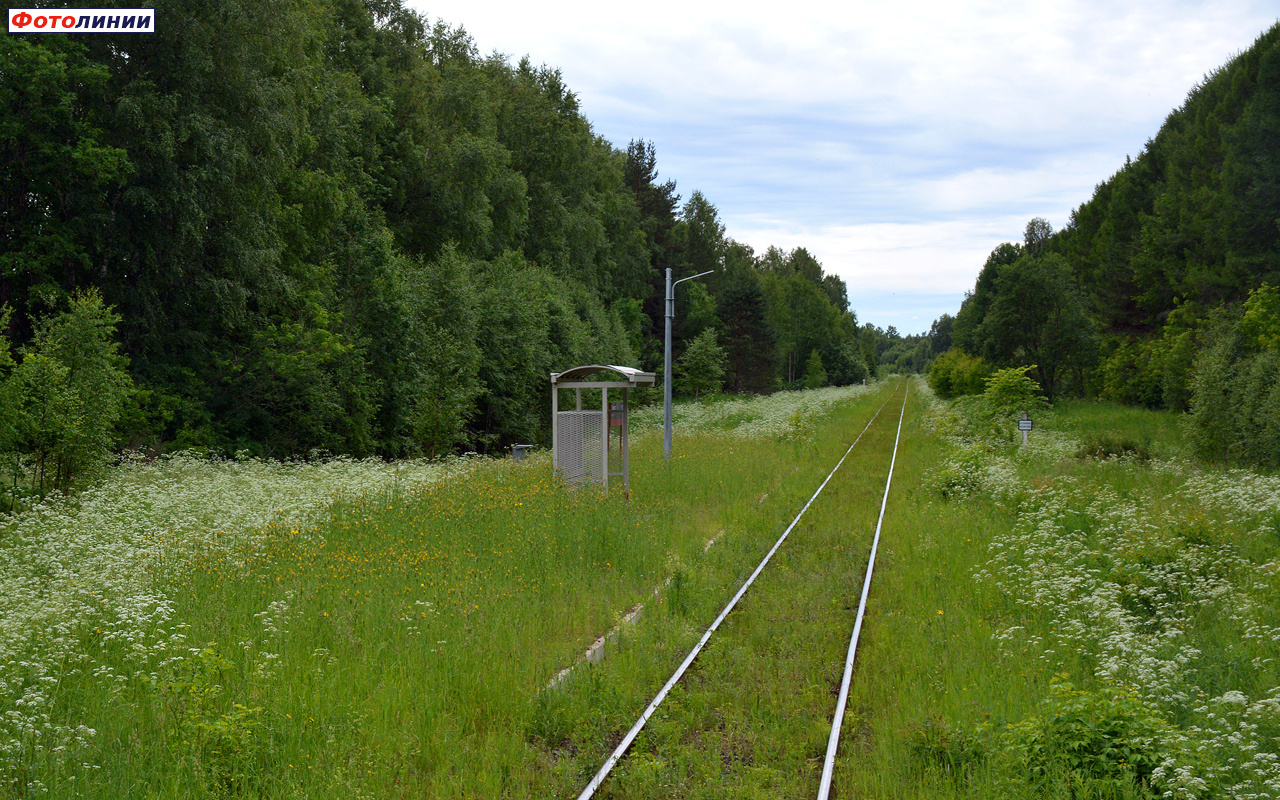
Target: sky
898	142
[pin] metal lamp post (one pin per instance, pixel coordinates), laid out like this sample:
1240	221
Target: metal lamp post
666	360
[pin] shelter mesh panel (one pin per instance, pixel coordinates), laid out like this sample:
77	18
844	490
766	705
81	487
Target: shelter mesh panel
580	443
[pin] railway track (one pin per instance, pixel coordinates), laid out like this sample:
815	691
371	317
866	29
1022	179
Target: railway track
837	719
829	507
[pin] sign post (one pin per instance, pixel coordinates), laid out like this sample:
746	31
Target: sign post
1024	425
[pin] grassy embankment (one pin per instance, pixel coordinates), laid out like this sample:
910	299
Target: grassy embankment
199	630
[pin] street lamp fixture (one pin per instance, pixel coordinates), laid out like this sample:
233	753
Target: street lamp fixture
666	360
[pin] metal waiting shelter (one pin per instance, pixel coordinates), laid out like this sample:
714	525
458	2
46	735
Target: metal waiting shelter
580	439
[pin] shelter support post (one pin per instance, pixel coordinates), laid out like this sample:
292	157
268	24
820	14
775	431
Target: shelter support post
626	454
604	435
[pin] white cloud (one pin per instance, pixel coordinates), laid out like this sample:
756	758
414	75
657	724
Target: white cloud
931	257
912	136
1057	186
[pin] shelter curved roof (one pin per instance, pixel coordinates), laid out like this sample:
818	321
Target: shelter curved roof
629	375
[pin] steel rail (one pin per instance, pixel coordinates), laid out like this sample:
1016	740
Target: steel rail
621	749
828	766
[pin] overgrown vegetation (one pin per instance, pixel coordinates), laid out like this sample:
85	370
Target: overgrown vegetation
1158	292
1235	386
956	373
1113	619
1041	624
198	627
60	403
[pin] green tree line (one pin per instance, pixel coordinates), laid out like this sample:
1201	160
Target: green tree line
1154	292
331	225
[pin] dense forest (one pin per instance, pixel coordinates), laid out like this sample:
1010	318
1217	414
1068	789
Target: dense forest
333	226
1162	288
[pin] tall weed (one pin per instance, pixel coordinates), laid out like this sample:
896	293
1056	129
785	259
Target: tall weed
1134	587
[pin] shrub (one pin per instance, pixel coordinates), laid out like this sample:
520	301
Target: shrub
1109	737
1259	410
815	376
1180	342
218	737
701	368
1133	374
844	364
957	373
1108	446
1235	390
959	476
1211	421
1261	321
1011	390
68	392
10	399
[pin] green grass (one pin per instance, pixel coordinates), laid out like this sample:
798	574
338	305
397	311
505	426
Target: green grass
1102	422
954	667
402	646
750	719
928	651
952	695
